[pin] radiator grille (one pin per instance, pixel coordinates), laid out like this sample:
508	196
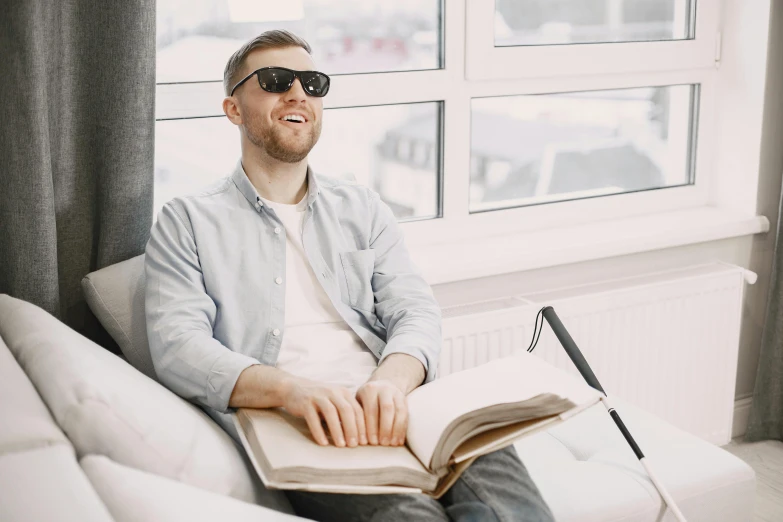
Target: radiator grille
667	342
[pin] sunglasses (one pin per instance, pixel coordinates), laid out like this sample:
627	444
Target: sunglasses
280	79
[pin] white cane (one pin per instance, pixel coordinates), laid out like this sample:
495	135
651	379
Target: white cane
581	364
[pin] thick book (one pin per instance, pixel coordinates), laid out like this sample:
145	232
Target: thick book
451	422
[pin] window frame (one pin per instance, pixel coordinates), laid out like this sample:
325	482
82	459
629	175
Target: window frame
484	61
459	224
463	79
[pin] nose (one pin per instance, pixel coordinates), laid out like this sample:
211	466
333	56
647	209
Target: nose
296	93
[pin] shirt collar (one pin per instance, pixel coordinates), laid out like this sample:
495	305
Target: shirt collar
247	189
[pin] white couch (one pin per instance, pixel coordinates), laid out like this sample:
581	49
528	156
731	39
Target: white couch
86	436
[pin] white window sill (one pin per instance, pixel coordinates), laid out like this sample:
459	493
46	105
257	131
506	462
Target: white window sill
448	262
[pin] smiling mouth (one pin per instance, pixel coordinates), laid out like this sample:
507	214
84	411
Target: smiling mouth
294	118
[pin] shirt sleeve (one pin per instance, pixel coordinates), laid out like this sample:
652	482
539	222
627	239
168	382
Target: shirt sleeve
404	301
180	317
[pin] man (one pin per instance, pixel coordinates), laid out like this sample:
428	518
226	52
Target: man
280	288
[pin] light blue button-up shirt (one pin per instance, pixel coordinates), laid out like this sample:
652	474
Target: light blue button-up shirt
215	292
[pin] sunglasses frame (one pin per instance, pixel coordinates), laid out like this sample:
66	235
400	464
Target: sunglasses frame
297	74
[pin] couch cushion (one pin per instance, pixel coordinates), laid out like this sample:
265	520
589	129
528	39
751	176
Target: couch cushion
47	484
107	407
115	295
136	496
26	422
586	471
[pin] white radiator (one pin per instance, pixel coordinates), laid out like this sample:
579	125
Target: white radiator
666	342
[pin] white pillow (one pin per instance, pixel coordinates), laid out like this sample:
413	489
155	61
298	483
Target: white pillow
115	295
136	496
107	407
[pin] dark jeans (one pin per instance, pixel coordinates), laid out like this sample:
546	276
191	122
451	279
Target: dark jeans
496	487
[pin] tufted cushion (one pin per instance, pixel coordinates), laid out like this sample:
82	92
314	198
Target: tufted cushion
135	496
47	484
106	407
115	295
25	422
586	471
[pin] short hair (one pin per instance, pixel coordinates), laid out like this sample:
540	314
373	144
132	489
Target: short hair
275	39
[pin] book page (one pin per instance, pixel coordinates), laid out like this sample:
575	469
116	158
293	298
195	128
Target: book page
501	437
434	406
322	488
286	442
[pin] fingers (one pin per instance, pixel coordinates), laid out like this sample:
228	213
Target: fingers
385	414
345	420
343	417
329	413
348	419
369	402
314	424
387	410
376	415
358	413
332	414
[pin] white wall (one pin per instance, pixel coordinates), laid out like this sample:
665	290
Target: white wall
743	80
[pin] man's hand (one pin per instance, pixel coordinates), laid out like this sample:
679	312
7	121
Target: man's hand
336	405
383	398
385	412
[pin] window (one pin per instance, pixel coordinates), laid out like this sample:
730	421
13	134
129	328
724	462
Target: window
554	147
195	38
392	146
556	22
192	153
469	118
544	38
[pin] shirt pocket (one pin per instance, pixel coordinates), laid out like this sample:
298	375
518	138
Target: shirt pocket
358	267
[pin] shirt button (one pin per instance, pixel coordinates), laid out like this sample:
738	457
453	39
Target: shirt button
277	230
278	280
275	332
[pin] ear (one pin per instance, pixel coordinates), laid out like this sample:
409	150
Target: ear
231	110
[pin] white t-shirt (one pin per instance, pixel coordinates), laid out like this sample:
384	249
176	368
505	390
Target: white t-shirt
317	343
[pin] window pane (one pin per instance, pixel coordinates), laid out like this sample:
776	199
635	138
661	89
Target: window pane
394	149
195	38
527	150
552	22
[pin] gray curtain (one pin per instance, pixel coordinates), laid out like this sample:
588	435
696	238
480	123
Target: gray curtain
77	93
766	414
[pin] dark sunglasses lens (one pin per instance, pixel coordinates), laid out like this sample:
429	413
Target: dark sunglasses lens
275	80
315	83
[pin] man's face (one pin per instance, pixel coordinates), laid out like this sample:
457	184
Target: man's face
262	113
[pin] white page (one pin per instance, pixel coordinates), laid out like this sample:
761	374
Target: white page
323	488
434	406
287	442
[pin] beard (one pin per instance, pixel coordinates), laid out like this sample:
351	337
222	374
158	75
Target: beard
279	143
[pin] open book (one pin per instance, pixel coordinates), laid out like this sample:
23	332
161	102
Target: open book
451	422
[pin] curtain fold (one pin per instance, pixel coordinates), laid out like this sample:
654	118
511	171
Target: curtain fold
766	414
77	94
